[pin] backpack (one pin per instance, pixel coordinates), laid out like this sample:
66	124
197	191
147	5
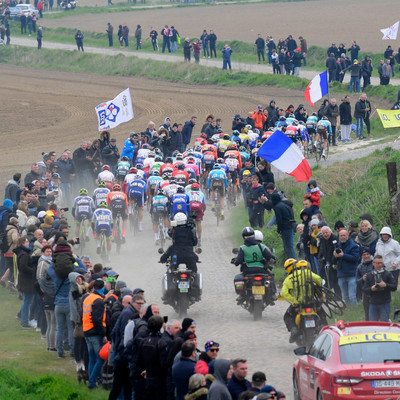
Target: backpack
2	225
4	246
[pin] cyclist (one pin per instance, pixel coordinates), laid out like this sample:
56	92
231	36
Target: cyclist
152	183
217	180
123	169
244	138
118	204
106	176
149	161
100	193
82	208
191	168
197	203
303	131
141	172
172	188
188	188
168	166
223	145
311	123
159	209
324	129
201	140
210	157
180	175
234	163
142	154
244	155
158	163
180	202
137	190
133	174
102	220
254	137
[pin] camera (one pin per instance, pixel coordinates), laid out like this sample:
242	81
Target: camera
338	251
65	209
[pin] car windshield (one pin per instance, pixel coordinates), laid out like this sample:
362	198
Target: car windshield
368	353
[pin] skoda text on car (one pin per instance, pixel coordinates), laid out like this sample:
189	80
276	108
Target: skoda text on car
356	360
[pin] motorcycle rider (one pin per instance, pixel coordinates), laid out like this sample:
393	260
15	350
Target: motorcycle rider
253	257
295	289
183	240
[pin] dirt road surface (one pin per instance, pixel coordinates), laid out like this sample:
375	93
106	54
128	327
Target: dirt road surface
311	19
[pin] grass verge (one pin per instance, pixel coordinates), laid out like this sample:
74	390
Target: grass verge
27	370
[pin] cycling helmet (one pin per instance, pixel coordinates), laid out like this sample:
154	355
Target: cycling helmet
282	118
180	190
314	114
180	166
101	184
245	130
83	192
179	156
236	132
151	154
219	130
139	166
191	160
132	170
116	188
180	218
192	180
241	148
248	126
105	168
217	166
301	123
247	232
145	146
324	118
215	139
232	147
157	150
226	136
168	160
172	180
258	235
175	153
256	131
295	122
189	153
291	116
103	204
156	173
259	144
290	263
158	159
232	155
195	186
124	158
220	160
161	192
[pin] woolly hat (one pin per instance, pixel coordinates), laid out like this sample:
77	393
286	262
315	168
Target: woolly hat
7	203
186	324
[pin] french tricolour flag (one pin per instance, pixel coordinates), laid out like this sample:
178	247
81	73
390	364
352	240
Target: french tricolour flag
317	88
285	155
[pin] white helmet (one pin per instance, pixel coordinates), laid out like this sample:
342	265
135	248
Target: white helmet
258	235
180	218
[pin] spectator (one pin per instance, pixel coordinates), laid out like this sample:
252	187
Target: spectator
378	284
366	70
347	255
363	270
297	57
39	37
153	37
12	188
260	45
111	155
361	108
223	373
196	51
226	57
330	64
110	31
354	49
389	55
238	382
389	249
345	119
304	49
138	37
204	43
125	35
355	68
174	37
79	40
187	131
197	388
207	359
212	39
187	47
367	237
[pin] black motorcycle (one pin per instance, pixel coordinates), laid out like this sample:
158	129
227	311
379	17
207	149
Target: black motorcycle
256	291
181	287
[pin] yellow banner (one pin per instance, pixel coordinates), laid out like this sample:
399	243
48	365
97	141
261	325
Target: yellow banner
370	337
389	118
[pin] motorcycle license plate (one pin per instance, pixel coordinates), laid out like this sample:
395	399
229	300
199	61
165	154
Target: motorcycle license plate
183	287
258	290
309	323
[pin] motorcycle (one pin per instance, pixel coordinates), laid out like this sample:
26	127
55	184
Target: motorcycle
256	291
181	287
309	325
68	5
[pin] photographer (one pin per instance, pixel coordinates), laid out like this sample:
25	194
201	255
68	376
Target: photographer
226	57
346	256
378	284
238	123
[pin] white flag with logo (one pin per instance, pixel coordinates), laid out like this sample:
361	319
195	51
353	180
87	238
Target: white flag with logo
391	32
114	112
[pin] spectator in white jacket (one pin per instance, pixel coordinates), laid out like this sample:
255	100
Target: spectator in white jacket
389	249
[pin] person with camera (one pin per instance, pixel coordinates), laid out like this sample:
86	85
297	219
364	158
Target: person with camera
378	284
226	58
363	270
346	256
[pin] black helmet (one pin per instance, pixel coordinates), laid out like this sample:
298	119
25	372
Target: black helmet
180	190
247	232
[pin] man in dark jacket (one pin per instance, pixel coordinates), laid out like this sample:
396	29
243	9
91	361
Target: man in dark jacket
354	49
12	188
212	39
366	71
360	110
260	44
82	163
255	206
330	64
332	112
223	373
284	221
211	129
346	260
187	131
355	68
364	268
184	369
175	141
273	112
378	284
238	382
33	175
333	50
111	155
66	170
238	123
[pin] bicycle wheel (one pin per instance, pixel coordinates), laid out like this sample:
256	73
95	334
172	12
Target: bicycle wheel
161	233
318	150
103	248
82	234
327	150
118	234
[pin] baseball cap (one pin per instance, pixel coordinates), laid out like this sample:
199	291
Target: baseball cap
189	335
113	140
137	290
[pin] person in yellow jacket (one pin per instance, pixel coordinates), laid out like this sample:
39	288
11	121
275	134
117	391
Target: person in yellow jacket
94	328
296	289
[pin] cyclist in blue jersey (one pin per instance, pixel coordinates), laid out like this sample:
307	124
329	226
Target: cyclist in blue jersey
100	193
159	209
137	193
82	208
102	220
217	181
180	202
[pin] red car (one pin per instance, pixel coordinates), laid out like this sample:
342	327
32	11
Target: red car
356	360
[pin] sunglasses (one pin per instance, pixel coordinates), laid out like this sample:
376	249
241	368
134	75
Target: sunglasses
214	350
